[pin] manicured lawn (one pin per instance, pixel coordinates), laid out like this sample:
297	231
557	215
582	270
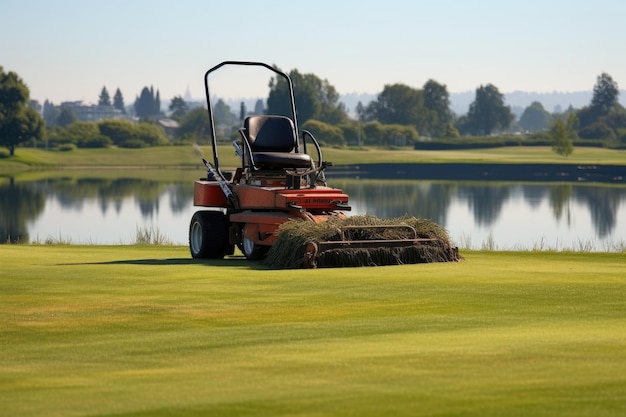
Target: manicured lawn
145	331
186	157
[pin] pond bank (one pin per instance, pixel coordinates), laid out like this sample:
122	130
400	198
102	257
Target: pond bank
485	172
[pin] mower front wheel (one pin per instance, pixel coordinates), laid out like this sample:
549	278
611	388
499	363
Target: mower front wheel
208	235
251	250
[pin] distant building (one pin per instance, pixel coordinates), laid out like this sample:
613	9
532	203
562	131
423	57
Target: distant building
93	113
169	126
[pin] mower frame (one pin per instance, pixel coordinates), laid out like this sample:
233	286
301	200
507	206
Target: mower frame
276	182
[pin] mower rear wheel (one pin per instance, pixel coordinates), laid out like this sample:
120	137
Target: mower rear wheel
208	235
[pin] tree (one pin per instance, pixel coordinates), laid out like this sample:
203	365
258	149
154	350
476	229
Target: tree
178	106
561	140
278	101
437	104
396	104
50	113
66	117
535	118
222	114
104	99
18	122
331	110
157	104
315	98
605	94
148	104
242	111
118	101
195	124
604	117
487	113
259	108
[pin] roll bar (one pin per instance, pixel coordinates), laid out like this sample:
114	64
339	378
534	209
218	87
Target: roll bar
210	107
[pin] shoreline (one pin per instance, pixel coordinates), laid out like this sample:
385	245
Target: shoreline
614	174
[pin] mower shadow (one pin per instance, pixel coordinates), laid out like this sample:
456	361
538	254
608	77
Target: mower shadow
232	261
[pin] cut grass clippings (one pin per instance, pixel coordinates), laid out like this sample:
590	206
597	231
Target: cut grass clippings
300	244
147	331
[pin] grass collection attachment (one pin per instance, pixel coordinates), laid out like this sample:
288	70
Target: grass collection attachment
278	207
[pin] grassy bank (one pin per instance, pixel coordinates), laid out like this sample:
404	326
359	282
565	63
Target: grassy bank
138	331
186	157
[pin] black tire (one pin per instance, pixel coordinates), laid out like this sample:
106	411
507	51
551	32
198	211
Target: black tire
208	235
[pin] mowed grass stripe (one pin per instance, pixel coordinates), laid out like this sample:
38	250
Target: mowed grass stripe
130	330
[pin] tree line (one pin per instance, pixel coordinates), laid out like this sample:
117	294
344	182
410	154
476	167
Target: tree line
399	116
147	105
402	115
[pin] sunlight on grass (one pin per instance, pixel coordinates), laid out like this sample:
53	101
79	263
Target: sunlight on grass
147	331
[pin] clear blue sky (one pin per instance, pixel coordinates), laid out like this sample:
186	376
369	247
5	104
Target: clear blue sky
69	49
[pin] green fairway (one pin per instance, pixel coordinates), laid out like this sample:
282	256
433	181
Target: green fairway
146	331
185	157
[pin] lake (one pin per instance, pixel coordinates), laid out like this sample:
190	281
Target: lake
111	207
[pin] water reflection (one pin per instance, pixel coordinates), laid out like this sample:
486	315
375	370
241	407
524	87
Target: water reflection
486	202
105	210
18	204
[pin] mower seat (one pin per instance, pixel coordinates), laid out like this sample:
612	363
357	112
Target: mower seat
270	142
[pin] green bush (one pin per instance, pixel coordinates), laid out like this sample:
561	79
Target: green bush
99	141
352	133
127	134
389	135
621	136
597	130
67	147
151	134
119	131
325	133
133	144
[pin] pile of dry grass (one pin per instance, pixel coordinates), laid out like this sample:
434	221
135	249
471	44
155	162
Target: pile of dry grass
297	243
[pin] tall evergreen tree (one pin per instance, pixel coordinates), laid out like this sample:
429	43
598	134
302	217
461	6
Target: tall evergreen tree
242	111
146	105
50	113
118	101
605	94
604	117
105	98
157	104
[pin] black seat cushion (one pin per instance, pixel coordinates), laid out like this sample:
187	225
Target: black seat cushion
279	160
